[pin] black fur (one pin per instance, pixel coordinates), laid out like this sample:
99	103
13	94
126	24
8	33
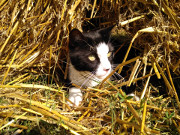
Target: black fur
82	45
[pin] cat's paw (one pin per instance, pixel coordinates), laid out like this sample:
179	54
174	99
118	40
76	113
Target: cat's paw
75	96
135	98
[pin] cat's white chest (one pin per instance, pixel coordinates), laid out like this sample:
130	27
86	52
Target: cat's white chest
82	78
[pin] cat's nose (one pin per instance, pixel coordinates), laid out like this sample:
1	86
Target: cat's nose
106	69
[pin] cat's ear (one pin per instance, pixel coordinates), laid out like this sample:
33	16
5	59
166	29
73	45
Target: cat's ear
106	32
75	37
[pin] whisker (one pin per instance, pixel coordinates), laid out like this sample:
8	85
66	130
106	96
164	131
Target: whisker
115	65
90	77
85	77
115	77
63	61
88	44
86	80
118	76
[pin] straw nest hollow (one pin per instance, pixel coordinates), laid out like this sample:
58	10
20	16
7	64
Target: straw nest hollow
34	65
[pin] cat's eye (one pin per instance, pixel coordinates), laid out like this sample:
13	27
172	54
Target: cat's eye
91	58
109	54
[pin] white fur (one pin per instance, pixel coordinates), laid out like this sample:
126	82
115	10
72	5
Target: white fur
135	98
102	51
75	96
85	78
80	77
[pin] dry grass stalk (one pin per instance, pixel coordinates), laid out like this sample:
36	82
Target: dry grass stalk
118	67
144	115
34	43
146	85
135	68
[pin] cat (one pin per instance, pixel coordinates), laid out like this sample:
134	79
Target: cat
92	59
91	55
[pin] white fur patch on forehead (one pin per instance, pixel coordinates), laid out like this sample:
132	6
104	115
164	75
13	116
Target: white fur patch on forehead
102	49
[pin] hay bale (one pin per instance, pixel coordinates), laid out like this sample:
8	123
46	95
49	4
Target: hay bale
34	44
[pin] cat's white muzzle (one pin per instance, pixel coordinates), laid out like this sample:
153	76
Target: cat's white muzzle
103	71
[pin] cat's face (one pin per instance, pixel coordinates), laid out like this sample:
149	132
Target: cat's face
91	51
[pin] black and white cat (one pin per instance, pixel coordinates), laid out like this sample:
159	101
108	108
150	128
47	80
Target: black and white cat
91	56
